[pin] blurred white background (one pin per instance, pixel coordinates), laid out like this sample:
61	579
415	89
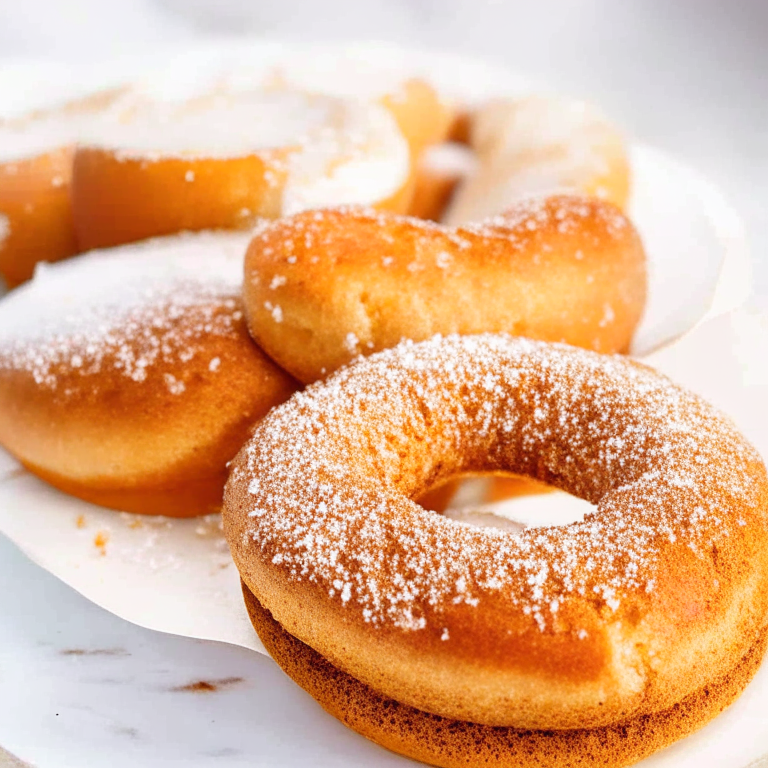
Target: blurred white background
690	76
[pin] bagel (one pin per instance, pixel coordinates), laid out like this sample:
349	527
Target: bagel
36	155
127	377
221	161
540	145
630	614
323	287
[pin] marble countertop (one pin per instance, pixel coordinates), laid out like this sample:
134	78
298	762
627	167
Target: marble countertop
80	688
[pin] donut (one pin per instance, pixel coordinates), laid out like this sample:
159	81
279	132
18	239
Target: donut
423	118
602	627
36	155
223	160
455	743
424	115
439	170
127	376
35	213
540	145
324	286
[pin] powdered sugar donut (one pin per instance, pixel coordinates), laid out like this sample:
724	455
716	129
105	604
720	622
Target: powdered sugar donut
36	153
457	743
223	160
324	286
127	377
423	112
630	614
539	145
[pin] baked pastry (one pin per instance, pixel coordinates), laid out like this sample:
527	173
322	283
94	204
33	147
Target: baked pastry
539	145
222	160
323	287
440	169
423	112
36	153
456	743
127	377
157	158
607	629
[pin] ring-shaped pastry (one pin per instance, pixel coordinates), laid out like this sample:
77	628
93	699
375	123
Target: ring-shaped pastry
662	591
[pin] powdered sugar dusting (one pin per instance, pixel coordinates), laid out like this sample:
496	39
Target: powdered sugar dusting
130	309
528	215
363	71
536	145
54	128
324	149
449	159
323	488
216	125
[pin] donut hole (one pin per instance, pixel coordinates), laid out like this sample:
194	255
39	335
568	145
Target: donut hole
440	170
505	501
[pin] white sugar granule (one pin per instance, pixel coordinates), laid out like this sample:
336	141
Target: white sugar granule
351	343
275	310
5	228
134	309
325	482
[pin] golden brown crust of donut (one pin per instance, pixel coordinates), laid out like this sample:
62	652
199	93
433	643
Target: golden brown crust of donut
348	282
120	200
34	198
422	117
35	195
460	129
647	600
145	446
432	193
122	194
460	744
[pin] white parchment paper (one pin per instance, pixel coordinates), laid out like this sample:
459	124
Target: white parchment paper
176	576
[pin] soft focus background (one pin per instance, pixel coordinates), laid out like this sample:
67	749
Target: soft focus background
690	76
